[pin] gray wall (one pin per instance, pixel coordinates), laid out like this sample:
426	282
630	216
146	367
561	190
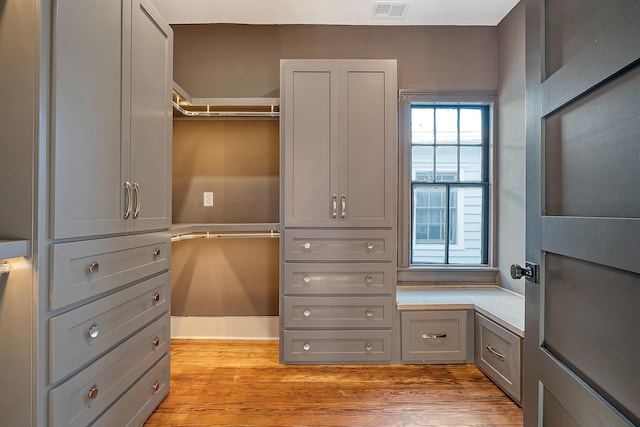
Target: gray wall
511	146
17	123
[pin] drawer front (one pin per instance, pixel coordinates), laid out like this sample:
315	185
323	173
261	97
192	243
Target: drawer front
135	406
362	346
353	278
339	245
82	398
337	312
82	334
498	354
434	336
81	270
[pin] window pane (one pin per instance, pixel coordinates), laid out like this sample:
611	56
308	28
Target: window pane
446	164
468	214
422	125
471	164
446	126
470	126
422	163
429	222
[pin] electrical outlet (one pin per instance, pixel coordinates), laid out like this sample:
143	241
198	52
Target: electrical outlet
208	199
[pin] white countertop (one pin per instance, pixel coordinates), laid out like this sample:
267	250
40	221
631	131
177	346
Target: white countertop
500	305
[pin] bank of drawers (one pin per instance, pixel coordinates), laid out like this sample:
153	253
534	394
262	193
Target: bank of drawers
108	328
337	305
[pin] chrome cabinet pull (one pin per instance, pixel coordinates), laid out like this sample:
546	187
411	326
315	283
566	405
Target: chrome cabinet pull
306	278
368	346
93	268
93	332
306	246
369	313
368	279
136	188
93	392
433	336
306	346
306	312
156	252
495	353
156	342
343	201
369	246
155	297
156	386
127	211
334	203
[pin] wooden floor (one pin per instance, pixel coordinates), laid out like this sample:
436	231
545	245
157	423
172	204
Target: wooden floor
240	383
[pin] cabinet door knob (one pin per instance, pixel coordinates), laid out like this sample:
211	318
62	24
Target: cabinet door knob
369	313
94	267
156	386
306	346
156	252
93	332
370	246
93	392
307	245
156	297
368	346
156	341
306	278
369	279
306	312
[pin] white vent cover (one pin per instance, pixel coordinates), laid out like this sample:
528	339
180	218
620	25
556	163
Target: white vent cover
389	10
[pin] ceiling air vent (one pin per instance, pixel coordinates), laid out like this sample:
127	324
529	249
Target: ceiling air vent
389	10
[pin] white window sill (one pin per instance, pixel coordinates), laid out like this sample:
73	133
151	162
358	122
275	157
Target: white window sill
450	275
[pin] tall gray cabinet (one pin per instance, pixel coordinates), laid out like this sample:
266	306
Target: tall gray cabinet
338	198
102	249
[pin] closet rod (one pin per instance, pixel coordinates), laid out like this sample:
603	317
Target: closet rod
210	235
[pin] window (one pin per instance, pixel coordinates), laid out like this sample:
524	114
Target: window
448	173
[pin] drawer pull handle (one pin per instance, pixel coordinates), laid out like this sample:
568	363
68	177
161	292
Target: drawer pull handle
368	346
306	346
156	252
343	203
156	341
306	245
433	336
369	279
369	246
495	353
127	211
93	331
93	393
334	204
156	297
306	312
369	313
156	386
306	278
136	189
94	267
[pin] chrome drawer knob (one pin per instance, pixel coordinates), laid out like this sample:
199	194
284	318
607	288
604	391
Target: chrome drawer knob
307	245
156	386
369	279
94	267
156	297
306	278
93	331
369	313
156	341
306	346
368	346
306	312
93	392
156	252
370	246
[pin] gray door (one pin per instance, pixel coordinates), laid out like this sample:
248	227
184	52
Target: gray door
583	213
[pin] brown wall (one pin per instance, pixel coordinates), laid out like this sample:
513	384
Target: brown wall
226	60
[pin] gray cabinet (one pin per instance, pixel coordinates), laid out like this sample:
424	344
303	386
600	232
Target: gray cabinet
338	196
111	118
437	336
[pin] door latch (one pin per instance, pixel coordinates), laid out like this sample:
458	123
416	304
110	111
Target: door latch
530	271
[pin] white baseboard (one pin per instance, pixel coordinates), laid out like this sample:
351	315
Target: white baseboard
239	328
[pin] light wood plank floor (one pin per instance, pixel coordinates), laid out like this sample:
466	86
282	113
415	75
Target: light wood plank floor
240	383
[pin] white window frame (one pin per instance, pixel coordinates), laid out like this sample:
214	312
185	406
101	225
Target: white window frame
411	275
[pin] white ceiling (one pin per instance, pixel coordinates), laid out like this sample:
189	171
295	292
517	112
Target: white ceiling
332	12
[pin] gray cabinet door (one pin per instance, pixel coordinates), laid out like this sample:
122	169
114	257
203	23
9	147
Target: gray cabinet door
151	120
86	142
339	142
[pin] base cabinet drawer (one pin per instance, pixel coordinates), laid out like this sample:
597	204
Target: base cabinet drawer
339	245
79	400
498	354
80	335
338	312
436	336
341	346
137	404
338	278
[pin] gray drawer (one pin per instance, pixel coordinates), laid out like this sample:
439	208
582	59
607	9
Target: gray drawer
82	398
113	262
434	336
339	245
110	319
352	278
343	346
135	406
337	312
498	354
